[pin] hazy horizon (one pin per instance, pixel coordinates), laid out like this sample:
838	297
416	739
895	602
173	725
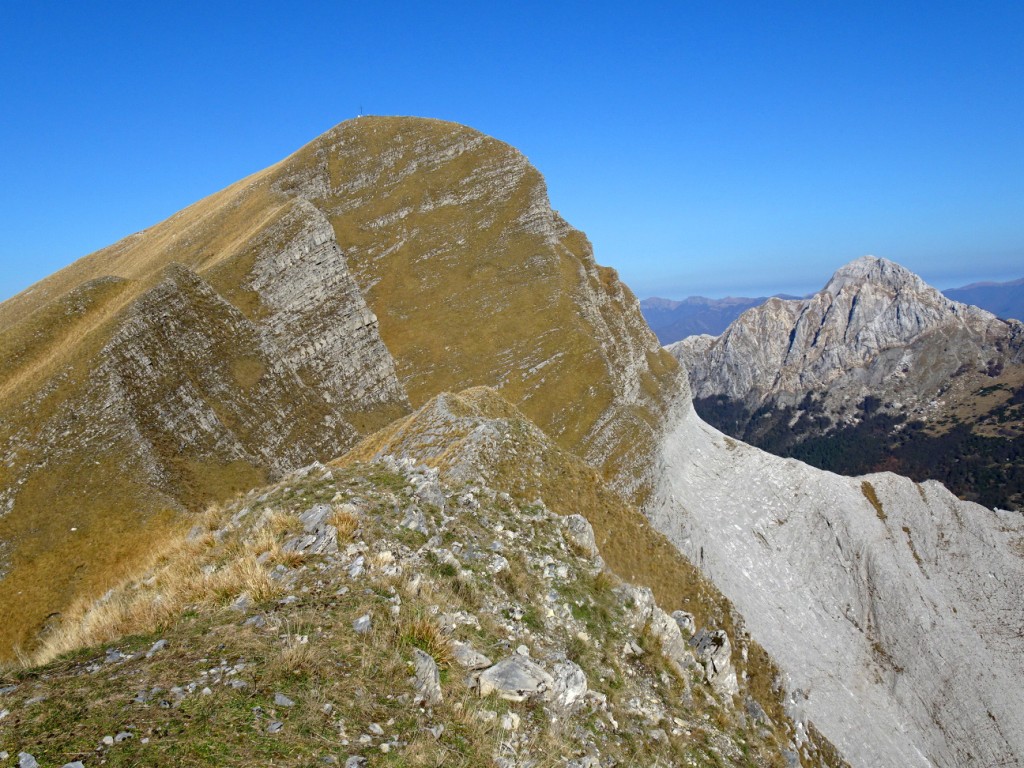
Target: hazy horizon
677	293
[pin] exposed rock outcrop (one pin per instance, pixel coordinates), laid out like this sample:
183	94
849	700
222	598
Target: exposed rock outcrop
516	678
324	663
877	596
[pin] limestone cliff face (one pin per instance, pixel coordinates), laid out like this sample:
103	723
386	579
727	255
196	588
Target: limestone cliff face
199	382
317	318
875	329
891	606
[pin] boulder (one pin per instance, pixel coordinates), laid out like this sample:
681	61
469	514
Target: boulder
428	679
415	520
570	686
428	489
580	533
666	630
468	657
516	678
687	624
318	537
714	651
639	602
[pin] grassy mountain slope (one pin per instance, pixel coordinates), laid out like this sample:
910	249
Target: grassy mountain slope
387	261
477	281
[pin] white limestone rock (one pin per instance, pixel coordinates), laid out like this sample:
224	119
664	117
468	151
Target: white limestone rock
714	651
516	678
468	657
569	687
580	533
900	628
428	679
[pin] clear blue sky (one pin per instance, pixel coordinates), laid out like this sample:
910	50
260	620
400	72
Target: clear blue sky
705	147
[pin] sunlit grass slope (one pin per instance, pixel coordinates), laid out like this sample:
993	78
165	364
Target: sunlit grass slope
208	353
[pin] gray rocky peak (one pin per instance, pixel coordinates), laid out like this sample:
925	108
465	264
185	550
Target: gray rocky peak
875	329
872	269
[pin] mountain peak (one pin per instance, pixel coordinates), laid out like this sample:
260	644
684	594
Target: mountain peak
872	324
877	271
288	315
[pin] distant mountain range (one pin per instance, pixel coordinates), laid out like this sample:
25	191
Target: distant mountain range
673	320
1001	299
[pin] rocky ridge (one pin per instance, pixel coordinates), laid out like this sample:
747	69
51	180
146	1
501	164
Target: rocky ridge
372	614
875	595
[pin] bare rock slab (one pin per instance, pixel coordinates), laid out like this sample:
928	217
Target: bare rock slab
516	678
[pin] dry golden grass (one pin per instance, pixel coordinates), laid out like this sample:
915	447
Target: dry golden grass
267	540
290	558
300	655
869	493
174	580
423	632
346	522
282	523
263	541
